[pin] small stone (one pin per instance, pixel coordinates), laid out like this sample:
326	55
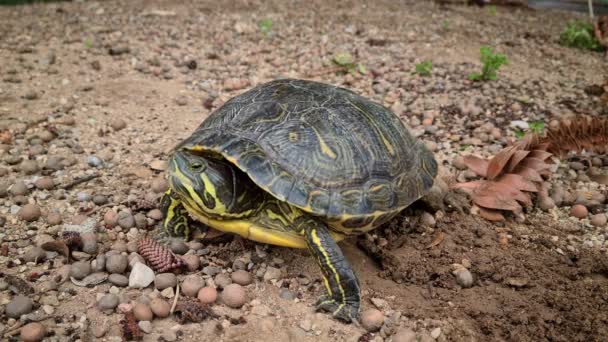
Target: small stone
19	188
44	183
126	220
94	161
110	218
435	333
272	273
29	167
192	284
100	199
598	220
117	263
234	296
141	221
286	294
211	270
464	277
178	246
372	319
169	336
193	262
305	325
118	280
405	335
89	243
141	276
165	280
155	214
30	212
118	124
242	277
80	269
33	332
427	219
142	312
159	185
207	295
160	307
145	326
34	254
20	305
31	94
222	280
579	211
108	302
546	203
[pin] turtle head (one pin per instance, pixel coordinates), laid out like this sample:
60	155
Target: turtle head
211	186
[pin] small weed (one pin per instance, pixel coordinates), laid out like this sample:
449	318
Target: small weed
346	63
537	127
492	10
424	68
445	24
580	35
265	25
491	63
519	133
88	44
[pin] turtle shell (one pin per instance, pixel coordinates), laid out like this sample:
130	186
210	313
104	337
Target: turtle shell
321	148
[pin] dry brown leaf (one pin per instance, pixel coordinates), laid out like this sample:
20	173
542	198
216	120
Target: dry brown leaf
436	240
599	178
529	174
518	182
491	214
499	161
477	165
518	156
539	154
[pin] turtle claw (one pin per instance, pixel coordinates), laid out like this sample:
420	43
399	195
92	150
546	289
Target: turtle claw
346	312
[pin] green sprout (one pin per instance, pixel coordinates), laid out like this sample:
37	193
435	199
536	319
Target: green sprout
265	25
520	133
491	63
424	68
346	63
537	127
445	24
492	10
580	35
88	44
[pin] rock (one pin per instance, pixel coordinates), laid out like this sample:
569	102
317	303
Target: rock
100	199
234	296
159	185
34	254
117	263
405	335
145	326
155	214
272	273
241	277
579	211
80	269
142	312
141	221
286	294
178	246
165	280
427	219
222	280
29	167
207	295
435	333
192	284
100	263
141	276
29	212
598	220
94	161
19	188
126	220
464	278
33	332
546	203
305	325
53	219
89	243
193	262
44	183
169	336
118	280
110	218
211	270
160	307
108	302
118	124
18	306
372	319
31	94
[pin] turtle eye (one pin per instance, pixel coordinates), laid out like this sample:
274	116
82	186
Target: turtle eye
196	166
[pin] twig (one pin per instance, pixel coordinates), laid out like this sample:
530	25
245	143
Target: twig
590	2
80	180
175	300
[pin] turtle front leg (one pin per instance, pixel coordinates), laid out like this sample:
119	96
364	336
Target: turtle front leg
343	297
176	221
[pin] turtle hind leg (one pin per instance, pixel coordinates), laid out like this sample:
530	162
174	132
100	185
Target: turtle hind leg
176	221
343	297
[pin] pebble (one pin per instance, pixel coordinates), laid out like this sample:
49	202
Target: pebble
192	284
141	221
234	296
211	270
117	263
100	199
272	273
83	197
100	263
435	333
598	220
118	124
18	306
94	161
142	312
126	220
34	254
165	280
405	335
110	218
464	278
155	214
286	294
145	326
118	280
579	211
44	183
207	295
159	185
193	262
222	280
19	188
30	212
31	94
160	307
241	277
108	302
89	243
372	319
80	269
141	276
178	246
546	203
29	167
33	332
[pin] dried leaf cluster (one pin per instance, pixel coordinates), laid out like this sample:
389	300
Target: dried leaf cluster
583	133
158	257
189	310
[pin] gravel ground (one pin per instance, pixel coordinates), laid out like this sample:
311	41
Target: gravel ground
93	95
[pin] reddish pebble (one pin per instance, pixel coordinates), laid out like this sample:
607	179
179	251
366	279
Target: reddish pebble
579	211
241	277
598	220
160	307
372	319
142	312
234	296
33	332
207	295
193	262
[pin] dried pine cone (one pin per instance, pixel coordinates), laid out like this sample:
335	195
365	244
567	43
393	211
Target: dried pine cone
191	310
158	257
130	329
143	204
72	239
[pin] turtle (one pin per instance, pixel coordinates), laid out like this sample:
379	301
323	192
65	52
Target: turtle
300	164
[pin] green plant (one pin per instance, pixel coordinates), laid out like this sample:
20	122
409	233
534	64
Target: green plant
265	25
88	44
580	35
492	10
519	133
491	63
537	127
424	68
445	24
346	63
